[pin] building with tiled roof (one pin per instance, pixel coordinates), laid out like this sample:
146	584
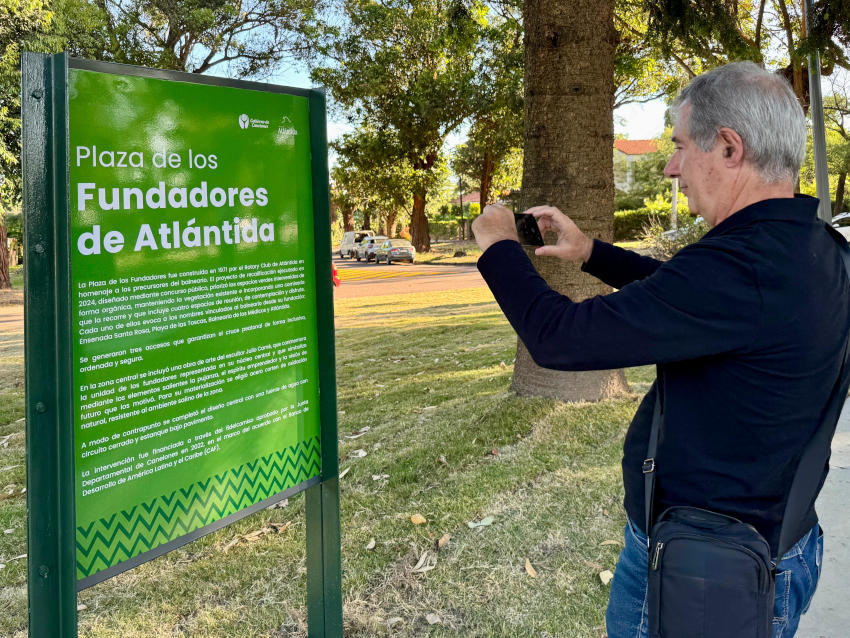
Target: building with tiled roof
626	152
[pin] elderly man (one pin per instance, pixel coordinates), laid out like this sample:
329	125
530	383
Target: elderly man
747	327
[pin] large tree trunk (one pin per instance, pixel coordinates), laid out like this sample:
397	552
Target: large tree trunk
419	235
568	159
367	220
839	193
392	223
347	219
5	280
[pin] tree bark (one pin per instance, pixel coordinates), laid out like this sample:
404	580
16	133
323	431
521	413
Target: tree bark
486	181
392	223
367	220
568	160
347	219
419	235
5	280
839	193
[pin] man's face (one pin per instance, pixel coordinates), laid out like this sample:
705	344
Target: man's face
700	172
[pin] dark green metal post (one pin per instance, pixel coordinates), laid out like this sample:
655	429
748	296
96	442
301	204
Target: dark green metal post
50	457
324	572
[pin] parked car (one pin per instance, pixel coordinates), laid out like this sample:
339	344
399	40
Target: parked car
841	223
395	250
348	245
367	246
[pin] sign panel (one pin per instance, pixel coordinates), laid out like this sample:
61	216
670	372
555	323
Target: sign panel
193	310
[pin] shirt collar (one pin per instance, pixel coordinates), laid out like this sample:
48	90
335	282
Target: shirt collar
799	208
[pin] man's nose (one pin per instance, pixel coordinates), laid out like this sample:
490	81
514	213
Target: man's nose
671	169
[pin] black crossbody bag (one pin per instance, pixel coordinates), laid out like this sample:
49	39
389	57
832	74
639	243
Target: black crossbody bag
711	575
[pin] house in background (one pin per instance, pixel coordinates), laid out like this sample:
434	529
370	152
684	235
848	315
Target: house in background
626	152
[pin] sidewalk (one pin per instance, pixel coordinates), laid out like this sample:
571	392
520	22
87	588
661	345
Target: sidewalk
829	615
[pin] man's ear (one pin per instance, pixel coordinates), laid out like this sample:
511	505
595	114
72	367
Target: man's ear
732	146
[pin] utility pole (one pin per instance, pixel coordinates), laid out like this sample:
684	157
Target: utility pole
818	129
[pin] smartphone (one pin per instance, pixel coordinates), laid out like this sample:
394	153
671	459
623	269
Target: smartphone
528	230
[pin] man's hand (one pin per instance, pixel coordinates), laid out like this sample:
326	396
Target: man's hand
494	224
572	244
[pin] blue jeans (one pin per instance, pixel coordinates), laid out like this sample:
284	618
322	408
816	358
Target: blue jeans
796	579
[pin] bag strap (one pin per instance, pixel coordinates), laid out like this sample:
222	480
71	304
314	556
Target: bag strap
806	482
649	462
807	479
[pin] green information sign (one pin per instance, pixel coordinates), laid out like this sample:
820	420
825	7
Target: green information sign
187	304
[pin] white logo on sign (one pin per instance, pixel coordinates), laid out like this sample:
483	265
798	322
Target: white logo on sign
243	121
286	132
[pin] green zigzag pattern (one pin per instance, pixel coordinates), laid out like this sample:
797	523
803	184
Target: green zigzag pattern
110	541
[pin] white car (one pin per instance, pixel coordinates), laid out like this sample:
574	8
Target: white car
841	223
366	247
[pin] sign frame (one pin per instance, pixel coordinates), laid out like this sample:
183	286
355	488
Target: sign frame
51	534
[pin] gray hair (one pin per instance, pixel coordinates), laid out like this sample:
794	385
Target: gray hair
758	105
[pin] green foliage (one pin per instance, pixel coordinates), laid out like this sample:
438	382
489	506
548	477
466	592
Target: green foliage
444	229
632	224
406	70
490	156
14	226
624	200
237	37
640	72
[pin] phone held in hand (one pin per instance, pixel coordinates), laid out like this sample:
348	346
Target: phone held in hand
528	230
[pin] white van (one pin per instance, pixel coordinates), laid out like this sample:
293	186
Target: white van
350	241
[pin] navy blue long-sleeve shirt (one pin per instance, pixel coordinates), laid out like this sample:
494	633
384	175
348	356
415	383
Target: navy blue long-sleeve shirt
747	326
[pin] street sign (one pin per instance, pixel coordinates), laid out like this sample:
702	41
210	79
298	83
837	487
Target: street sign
179	321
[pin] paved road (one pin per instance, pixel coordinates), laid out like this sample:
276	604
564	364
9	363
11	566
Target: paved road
360	279
829	615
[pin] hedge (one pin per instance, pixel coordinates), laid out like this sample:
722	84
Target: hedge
629	224
443	229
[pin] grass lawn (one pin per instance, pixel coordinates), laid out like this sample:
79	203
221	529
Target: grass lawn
442	252
447	441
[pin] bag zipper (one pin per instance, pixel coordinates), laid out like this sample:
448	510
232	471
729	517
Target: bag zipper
659	546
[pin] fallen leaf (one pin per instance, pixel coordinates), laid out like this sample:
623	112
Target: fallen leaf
82	607
9	531
444	540
418	519
378	477
280	528
442	459
433	619
371	544
230	544
594	566
618	543
392	622
427	561
19	557
344	472
605	512
358	454
2	565
530	569
256	534
503	365
606	576
484	522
